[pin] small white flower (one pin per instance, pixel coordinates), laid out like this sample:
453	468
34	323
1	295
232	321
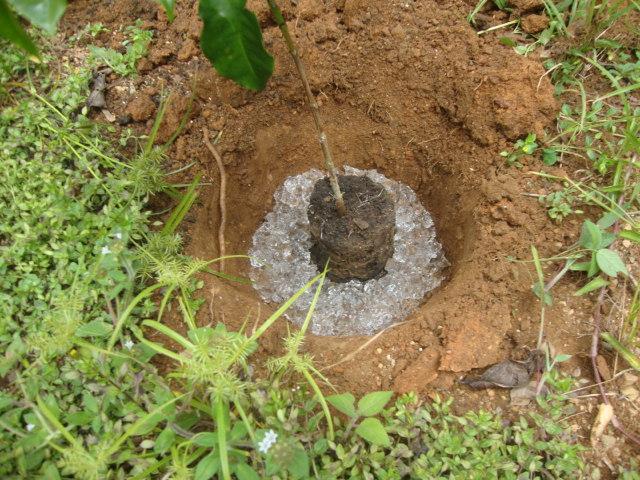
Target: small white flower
30	426
118	235
105	250
128	344
269	439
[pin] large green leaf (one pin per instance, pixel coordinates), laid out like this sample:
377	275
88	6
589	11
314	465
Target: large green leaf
11	29
610	262
343	402
373	403
591	236
232	41
41	13
372	430
207	467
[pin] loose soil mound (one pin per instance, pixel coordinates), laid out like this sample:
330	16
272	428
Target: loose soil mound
407	88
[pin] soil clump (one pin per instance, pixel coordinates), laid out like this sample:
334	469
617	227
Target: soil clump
358	244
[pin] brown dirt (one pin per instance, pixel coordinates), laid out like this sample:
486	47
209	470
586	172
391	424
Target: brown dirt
409	89
427	102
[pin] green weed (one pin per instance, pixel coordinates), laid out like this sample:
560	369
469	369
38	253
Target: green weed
135	47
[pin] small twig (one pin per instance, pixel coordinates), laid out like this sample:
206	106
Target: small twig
352	355
315	110
497	27
223	191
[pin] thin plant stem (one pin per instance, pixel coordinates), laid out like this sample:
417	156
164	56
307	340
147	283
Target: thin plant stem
321	399
222	437
322	136
245	420
118	327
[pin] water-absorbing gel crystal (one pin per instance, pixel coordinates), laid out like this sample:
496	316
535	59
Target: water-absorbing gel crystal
281	263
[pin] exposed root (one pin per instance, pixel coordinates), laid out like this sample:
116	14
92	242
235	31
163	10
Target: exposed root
223	193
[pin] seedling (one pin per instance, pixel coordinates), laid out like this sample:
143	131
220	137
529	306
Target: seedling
363	417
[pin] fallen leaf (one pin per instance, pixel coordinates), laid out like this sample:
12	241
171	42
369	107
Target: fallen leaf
96	97
507	374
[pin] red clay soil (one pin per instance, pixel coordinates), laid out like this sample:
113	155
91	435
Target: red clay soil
407	88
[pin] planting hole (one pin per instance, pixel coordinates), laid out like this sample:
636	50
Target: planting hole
283	258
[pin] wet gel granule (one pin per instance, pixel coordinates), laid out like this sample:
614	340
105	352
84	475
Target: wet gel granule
281	262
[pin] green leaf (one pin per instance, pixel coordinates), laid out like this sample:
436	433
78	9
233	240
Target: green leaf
41	13
608	219
627	354
169	8
506	41
610	262
594	284
549	156
593	266
580	267
344	402
563	357
245	472
299	466
373	403
372	430
630	235
591	236
207	467
164	440
95	328
11	29
206	439
232	41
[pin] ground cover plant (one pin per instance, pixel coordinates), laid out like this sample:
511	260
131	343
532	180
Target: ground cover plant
90	275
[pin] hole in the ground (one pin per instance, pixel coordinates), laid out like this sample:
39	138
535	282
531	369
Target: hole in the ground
283	257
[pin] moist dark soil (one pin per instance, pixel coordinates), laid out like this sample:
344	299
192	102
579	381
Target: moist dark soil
358	244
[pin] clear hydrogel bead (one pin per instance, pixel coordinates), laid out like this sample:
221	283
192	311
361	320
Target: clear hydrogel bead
281	263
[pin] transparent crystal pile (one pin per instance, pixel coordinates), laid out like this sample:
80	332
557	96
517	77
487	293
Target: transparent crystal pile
281	263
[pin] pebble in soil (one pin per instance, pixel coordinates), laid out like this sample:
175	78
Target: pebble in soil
281	262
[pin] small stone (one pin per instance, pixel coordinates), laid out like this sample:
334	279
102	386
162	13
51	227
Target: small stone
109	117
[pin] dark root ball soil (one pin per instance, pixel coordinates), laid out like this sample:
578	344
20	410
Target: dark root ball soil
359	243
